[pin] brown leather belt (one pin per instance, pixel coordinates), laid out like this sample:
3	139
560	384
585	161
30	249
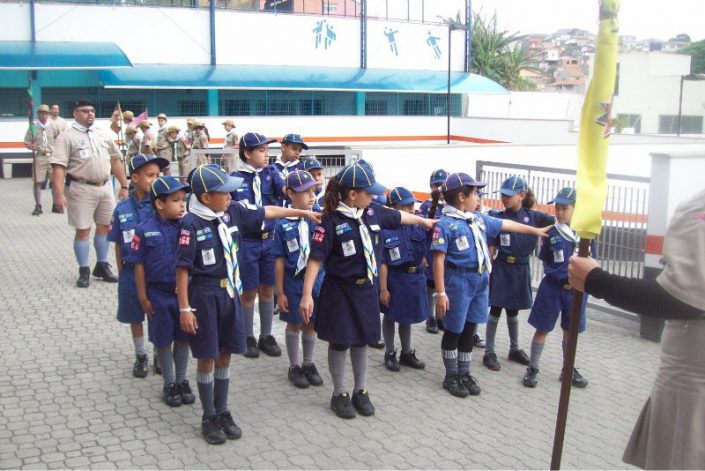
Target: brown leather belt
71	178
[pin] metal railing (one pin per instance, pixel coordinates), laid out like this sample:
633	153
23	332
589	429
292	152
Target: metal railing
621	247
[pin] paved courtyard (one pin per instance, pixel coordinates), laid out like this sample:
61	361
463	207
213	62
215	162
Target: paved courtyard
68	398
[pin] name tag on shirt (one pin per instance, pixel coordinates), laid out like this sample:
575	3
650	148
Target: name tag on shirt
558	256
292	245
349	248
127	236
83	154
394	254
462	243
505	240
208	256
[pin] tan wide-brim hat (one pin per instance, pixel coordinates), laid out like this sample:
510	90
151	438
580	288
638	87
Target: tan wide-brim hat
145	124
128	115
44	108
171	129
229	122
130	130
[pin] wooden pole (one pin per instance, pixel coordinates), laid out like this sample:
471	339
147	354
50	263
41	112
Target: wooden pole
568	365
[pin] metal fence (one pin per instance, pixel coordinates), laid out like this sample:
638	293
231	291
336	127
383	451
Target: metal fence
621	247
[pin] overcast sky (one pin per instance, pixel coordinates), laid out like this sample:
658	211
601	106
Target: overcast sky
642	18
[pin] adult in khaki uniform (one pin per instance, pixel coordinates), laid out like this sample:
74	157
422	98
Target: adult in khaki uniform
176	151
162	146
200	141
148	137
58	124
133	142
231	142
84	157
127	117
40	142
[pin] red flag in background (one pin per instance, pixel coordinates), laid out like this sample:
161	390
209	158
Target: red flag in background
141	117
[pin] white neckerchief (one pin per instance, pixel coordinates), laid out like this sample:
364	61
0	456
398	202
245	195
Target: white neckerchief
356	213
41	126
304	247
226	240
89	131
286	166
483	254
320	193
256	182
567	233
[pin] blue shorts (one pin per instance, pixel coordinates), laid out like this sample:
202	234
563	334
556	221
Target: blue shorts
467	293
256	263
293	288
129	309
165	328
553	299
220	323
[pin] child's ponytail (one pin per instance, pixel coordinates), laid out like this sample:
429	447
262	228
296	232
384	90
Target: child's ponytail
435	197
529	200
331	197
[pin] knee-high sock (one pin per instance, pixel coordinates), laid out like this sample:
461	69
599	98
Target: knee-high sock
336	366
388	334
358	358
249	313
292	347
513	328
101	247
491	330
431	303
80	250
220	389
266	312
166	359
309	344
205	392
181	352
405	337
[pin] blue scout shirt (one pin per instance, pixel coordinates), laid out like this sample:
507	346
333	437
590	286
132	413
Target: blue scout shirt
127	215
519	245
272	184
555	252
286	245
454	237
337	240
154	246
280	167
199	248
426	207
404	247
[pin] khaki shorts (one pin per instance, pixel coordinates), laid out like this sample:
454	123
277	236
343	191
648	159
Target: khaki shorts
184	166
42	168
86	204
230	162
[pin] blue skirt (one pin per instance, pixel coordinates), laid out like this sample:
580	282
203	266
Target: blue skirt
510	285
346	313
407	292
293	288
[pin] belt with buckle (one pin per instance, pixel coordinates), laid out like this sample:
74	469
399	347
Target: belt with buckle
360	281
512	259
71	178
567	286
167	288
265	235
223	282
459	269
406	268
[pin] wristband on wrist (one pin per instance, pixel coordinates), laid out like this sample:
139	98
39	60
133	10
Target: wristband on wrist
186	309
437	295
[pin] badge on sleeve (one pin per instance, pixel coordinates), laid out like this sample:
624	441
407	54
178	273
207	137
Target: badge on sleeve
185	237
349	248
208	256
318	235
462	243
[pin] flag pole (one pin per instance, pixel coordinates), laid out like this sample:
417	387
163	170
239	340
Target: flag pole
30	114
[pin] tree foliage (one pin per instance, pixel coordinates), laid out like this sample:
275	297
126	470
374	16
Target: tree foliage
696	51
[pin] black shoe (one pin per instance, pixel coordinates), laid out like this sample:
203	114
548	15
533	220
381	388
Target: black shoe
231	429
252	350
37	210
361	402
103	270
269	346
84	277
471	384
57	209
342	406
297	377
390	361
311	373
440	324
141	367
489	359
432	326
519	356
531	378
171	396
453	385
410	360
157	368
212	430
578	381
378	345
187	397
479	341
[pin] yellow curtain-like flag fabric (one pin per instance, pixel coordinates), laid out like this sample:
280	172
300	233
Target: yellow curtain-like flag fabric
596	127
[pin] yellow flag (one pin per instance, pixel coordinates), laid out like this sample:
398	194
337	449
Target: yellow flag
596	127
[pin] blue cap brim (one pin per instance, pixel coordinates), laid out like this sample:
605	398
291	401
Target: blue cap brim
375	189
161	161
304	187
303	146
509	191
563	201
406	201
230	185
438	181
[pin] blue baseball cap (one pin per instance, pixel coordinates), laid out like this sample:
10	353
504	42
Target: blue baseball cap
300	180
401	196
513	186
312	164
166	185
360	176
210	178
193	170
438	177
380	199
295	139
137	161
459	180
251	140
566	196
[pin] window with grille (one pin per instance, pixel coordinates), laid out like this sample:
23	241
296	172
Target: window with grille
631	121
14	102
668	124
376	107
191	108
235	108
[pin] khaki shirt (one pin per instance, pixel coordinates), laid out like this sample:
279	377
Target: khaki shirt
684	253
200	142
133	146
231	140
85	157
58	125
162	144
43	137
176	149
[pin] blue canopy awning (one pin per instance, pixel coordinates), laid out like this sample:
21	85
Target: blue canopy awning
264	77
28	55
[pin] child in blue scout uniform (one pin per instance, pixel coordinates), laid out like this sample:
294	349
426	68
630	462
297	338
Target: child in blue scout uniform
555	295
289	159
510	282
153	252
292	246
209	307
402	283
436	201
314	167
128	213
461	266
263	185
347	314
